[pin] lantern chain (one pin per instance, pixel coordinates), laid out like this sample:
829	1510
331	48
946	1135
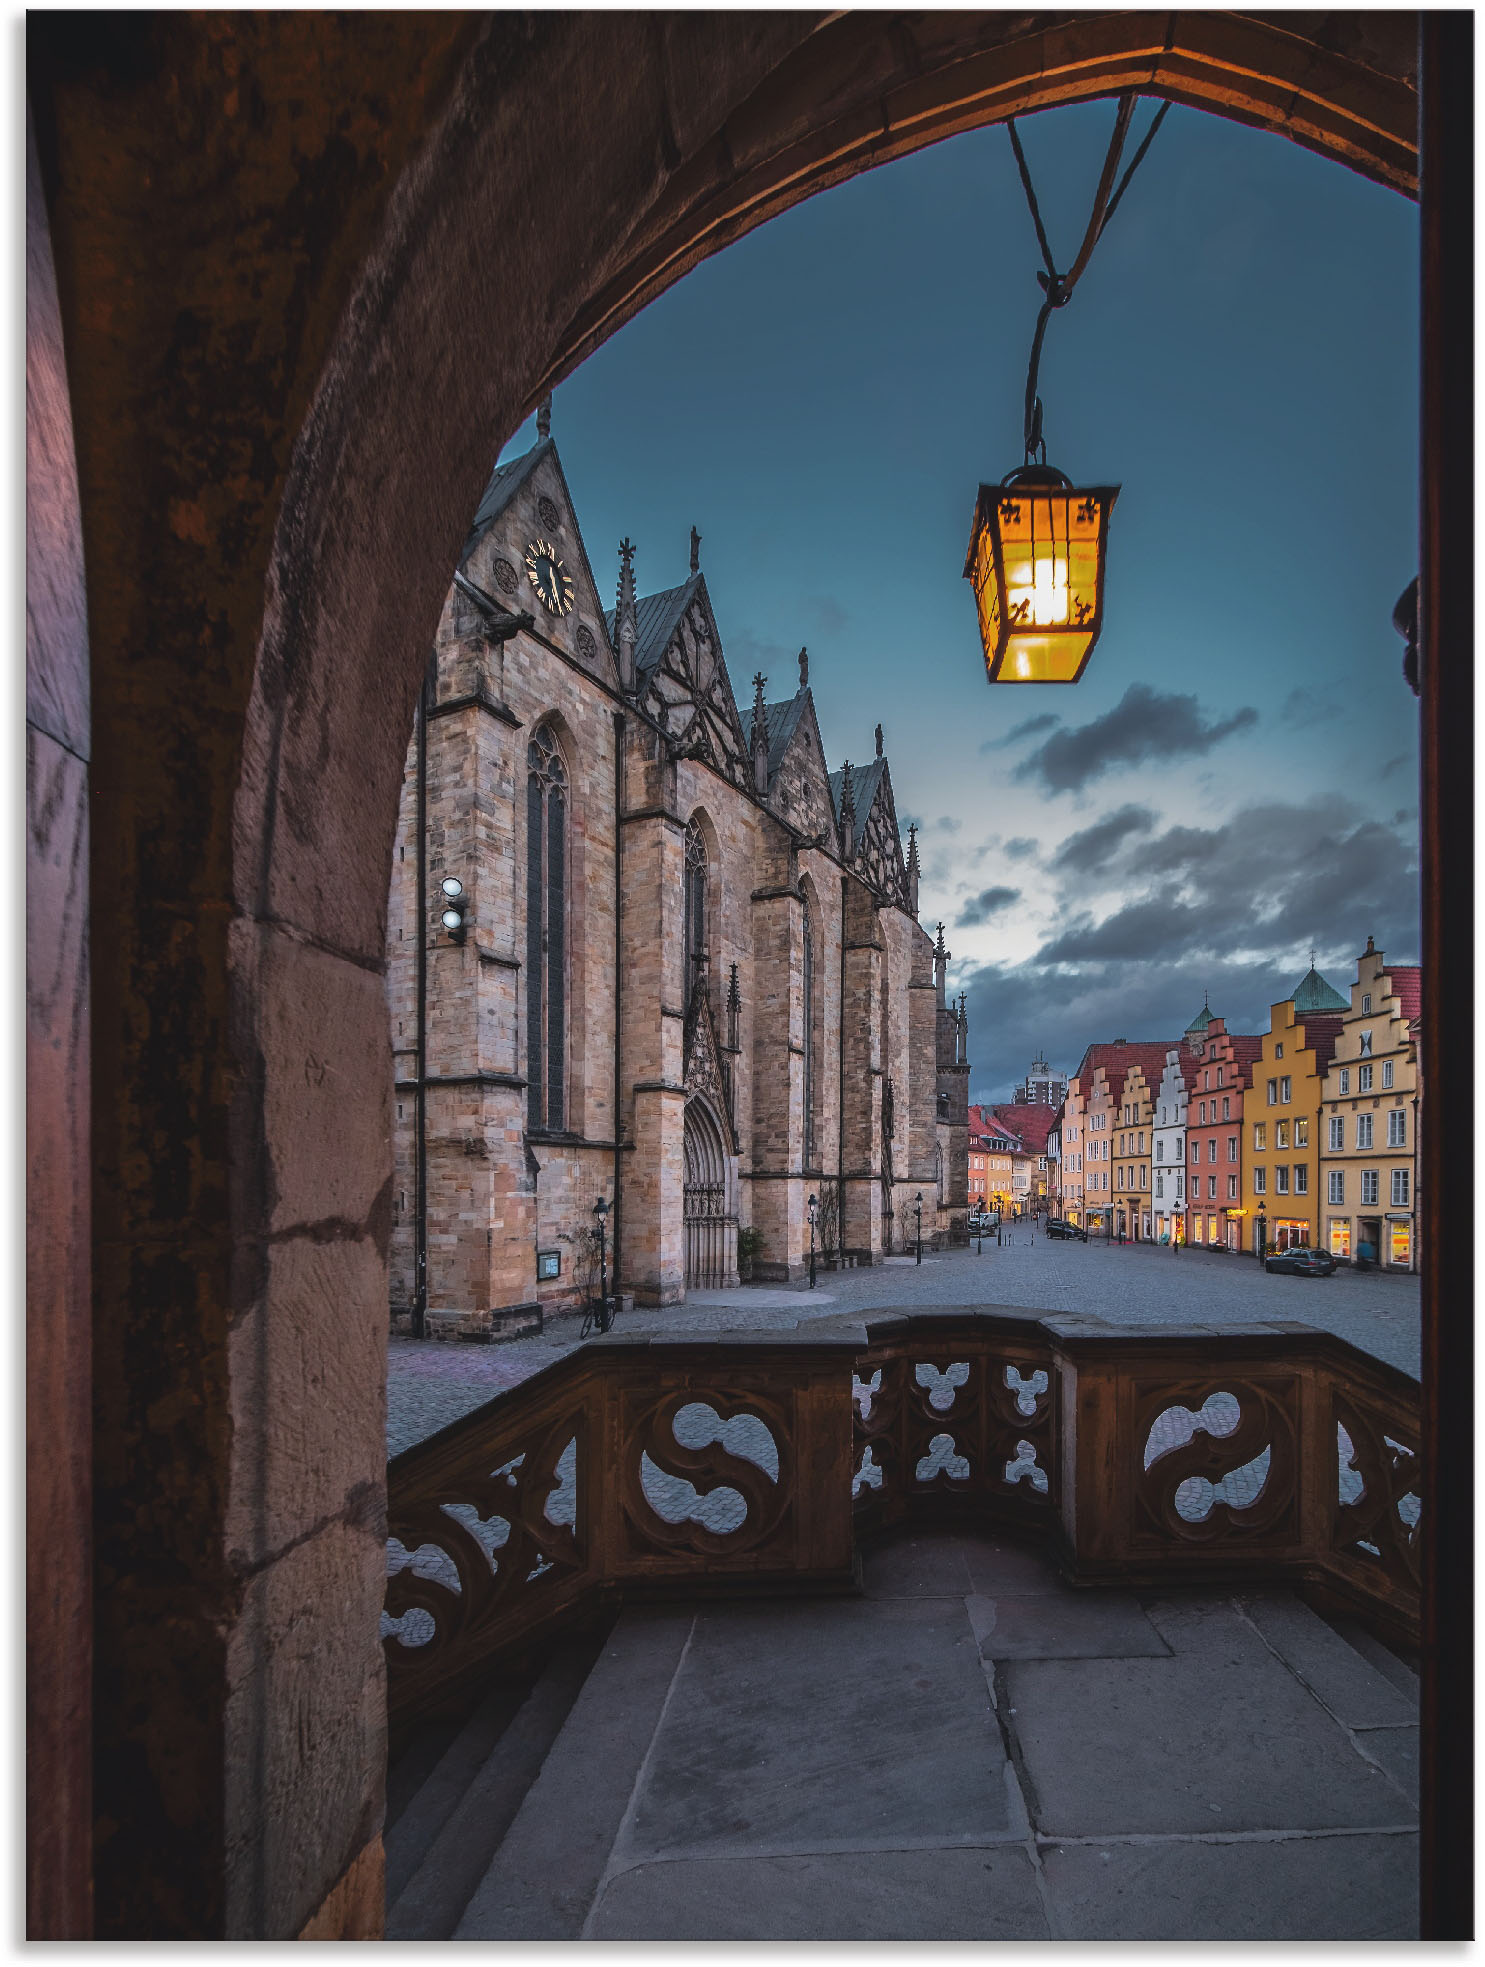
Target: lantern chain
1058	287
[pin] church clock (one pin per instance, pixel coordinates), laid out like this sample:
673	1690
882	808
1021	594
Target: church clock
549	577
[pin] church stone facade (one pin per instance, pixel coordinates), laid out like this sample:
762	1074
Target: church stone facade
681	970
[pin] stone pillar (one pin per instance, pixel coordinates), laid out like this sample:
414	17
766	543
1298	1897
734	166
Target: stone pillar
777	1134
653	1043
861	1101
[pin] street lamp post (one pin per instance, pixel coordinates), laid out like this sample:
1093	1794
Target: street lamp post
1262	1228
813	1209
918	1212
600	1215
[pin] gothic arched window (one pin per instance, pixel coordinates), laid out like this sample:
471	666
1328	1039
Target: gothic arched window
546	932
696	872
809	1037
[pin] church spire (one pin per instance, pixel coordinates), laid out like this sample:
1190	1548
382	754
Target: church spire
695	551
544	417
759	737
913	868
940	965
626	618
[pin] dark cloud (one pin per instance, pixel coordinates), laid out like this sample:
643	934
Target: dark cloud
1024	730
1233	909
1393	764
1020	847
1095	846
824	614
985	905
1145	724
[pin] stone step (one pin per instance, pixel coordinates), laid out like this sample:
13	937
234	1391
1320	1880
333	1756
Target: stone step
440	1764
542	1881
429	1902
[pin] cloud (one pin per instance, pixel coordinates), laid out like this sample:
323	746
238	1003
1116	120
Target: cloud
1303	707
1393	764
947	823
1095	846
1233	908
1144	724
985	904
1044	722
1020	847
824	614
746	652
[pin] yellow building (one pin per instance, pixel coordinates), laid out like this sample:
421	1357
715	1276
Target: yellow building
1133	1141
1073	1148
1369	1139
1281	1124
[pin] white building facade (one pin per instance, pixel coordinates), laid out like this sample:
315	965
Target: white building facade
1168	1145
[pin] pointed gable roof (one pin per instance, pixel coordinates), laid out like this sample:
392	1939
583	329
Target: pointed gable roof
1030	1123
505	481
656	618
865	780
782	720
1313	993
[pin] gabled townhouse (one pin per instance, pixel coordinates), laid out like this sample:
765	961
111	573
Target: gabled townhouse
1030	1122
1168	1134
1368	1138
1101	1079
1223	1062
1073	1150
1133	1147
1281	1125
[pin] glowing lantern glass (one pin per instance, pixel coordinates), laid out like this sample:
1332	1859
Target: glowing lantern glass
1036	559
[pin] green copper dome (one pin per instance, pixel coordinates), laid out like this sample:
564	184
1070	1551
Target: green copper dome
1313	993
1202	1019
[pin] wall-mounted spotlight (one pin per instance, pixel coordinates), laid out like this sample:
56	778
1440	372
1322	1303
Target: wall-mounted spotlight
455	902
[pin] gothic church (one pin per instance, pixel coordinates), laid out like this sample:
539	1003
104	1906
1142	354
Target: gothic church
643	952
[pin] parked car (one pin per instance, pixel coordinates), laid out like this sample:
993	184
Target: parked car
1056	1227
1301	1262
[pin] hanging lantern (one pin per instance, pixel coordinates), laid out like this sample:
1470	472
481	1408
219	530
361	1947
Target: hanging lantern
1036	559
1037	552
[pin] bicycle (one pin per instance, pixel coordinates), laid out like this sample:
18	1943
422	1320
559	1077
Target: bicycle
597	1316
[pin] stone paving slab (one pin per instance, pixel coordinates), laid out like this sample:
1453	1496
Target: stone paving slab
835	1724
1069	1625
1354	1691
1397	1751
1001	1568
1220	1737
1295	1888
918	1567
880	1895
547	1871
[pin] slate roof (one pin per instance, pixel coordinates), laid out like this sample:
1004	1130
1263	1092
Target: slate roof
783	722
1313	993
864	782
505	481
656	616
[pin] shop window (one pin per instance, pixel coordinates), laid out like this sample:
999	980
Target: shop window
1402	1245
1340	1240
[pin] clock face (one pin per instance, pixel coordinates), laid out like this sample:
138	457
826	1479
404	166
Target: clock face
549	577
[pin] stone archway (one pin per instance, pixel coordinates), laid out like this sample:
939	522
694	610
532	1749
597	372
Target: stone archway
286	392
709	1206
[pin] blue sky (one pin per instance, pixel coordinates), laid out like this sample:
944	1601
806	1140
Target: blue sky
1235	779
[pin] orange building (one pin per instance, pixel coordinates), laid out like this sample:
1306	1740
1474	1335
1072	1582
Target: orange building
1281	1125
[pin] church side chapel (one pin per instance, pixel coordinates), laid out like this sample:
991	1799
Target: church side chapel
645	952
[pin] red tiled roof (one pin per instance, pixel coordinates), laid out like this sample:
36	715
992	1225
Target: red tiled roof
1320	1035
1031	1123
1407	988
1117	1060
